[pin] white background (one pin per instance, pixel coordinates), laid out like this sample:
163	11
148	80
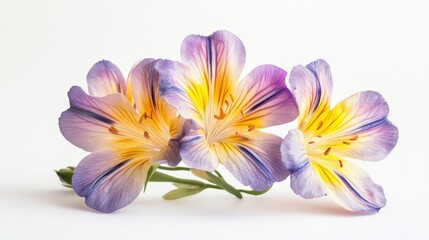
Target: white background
48	46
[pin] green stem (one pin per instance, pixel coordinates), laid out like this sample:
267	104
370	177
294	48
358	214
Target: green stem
162	177
173	168
252	192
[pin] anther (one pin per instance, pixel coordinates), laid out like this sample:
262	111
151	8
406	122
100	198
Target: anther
319	136
327	151
145	116
221	115
354	138
311	142
237	134
113	130
320	125
146	135
345	142
242	112
227	103
341	163
251	127
232	97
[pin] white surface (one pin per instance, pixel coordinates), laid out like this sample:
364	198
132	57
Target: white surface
48	46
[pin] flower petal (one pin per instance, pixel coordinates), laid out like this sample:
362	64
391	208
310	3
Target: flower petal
304	180
105	78
253	158
216	60
312	88
346	183
145	84
109	182
263	98
188	97
89	120
169	154
350	186
195	151
358	128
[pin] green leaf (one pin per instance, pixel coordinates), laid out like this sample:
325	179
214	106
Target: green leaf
183	185
150	173
66	175
181	193
223	184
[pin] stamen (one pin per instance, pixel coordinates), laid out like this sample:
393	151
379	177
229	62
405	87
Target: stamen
237	134
232	97
242	112
319	136
227	103
221	115
341	163
327	151
145	116
113	130
354	138
146	135
251	127
345	142
320	125
311	142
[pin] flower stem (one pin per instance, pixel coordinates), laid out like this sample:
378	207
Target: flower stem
216	180
162	177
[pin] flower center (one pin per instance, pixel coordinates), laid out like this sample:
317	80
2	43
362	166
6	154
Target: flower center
318	144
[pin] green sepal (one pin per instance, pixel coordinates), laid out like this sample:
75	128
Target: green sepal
66	175
149	175
223	184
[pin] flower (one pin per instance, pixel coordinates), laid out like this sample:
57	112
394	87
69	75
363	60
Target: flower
227	114
355	128
127	128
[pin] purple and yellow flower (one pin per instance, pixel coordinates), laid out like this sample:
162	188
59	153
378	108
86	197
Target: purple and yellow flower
127	127
355	128
226	114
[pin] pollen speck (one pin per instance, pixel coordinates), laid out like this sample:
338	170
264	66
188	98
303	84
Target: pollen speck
311	142
327	151
346	143
232	97
341	163
354	138
320	125
113	130
251	127
146	135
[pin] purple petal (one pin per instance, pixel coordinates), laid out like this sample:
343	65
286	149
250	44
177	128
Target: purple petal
364	132
195	151
217	58
312	88
264	99
253	158
108	181
105	78
88	122
304	180
174	88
